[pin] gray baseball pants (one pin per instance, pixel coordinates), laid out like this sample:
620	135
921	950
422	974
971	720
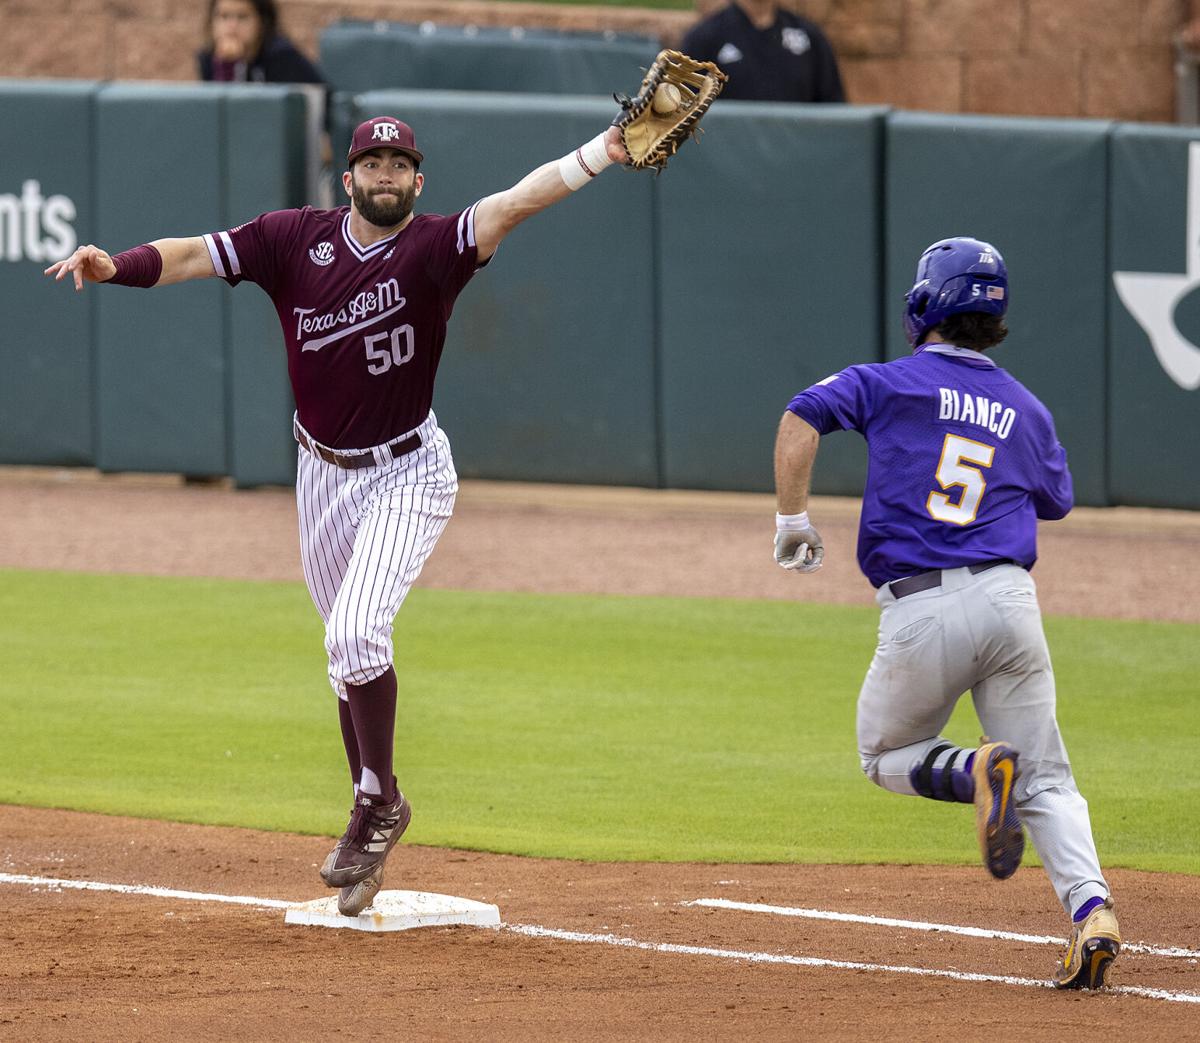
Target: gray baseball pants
981	633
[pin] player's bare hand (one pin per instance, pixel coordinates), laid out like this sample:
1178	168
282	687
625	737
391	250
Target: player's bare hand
612	144
799	549
87	264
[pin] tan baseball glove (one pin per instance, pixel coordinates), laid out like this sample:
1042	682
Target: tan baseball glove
665	112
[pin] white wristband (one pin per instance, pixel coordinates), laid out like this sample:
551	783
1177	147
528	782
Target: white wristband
791	522
579	167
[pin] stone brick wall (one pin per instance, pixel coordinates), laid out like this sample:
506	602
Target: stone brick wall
1104	58
1097	58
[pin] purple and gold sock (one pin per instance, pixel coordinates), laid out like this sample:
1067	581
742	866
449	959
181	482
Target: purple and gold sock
1085	910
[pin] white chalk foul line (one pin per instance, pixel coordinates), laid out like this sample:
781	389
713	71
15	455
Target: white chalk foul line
814	961
138	889
533	931
920	925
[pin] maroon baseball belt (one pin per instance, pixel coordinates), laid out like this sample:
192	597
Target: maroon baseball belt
352	461
901	588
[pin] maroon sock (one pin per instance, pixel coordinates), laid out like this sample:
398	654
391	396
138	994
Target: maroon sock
349	740
373	709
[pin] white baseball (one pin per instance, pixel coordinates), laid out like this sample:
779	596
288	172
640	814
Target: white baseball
666	98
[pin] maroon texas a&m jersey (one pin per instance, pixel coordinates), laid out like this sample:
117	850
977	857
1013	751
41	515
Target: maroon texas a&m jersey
364	325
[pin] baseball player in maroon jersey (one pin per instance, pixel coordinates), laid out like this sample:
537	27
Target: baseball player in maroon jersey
363	294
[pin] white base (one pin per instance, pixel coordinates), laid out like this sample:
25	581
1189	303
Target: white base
397	911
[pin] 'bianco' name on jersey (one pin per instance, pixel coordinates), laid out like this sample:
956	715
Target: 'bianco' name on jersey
995	416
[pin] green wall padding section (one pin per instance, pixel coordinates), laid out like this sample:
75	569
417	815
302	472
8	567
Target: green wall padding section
160	353
1154	299
192	378
1038	191
46	373
264	160
548	371
769	259
366	56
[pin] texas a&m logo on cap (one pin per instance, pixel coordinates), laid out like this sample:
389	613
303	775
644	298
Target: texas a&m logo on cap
383	132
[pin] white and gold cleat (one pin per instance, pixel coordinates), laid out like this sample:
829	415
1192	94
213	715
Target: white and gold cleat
1093	946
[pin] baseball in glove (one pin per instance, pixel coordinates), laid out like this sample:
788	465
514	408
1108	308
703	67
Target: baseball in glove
665	112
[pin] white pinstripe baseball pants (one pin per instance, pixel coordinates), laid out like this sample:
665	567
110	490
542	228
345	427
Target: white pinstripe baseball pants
365	535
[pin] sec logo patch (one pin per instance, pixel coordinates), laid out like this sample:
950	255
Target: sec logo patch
321	254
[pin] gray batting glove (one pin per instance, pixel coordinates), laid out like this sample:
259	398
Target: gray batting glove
798	546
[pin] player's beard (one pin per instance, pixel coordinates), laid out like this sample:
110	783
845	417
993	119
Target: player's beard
384	213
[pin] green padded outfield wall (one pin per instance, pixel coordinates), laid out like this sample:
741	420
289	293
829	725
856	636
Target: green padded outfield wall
1154	365
46	133
648	331
264	166
181	161
548	371
769	259
160	353
365	56
1038	191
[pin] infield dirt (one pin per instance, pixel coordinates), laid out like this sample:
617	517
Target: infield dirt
88	965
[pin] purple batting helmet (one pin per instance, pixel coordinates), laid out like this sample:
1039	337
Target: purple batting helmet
953	276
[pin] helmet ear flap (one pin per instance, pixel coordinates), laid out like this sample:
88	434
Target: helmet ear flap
916	303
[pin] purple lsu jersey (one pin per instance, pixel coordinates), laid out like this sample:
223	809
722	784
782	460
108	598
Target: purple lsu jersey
364	326
962	460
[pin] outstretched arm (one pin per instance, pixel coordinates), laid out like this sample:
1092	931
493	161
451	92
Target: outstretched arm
499	214
182	259
798	546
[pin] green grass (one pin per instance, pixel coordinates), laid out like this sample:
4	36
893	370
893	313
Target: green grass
585	727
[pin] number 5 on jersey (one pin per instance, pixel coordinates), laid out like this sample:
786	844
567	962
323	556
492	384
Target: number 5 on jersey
953	470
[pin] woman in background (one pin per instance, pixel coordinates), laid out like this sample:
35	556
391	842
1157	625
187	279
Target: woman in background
245	46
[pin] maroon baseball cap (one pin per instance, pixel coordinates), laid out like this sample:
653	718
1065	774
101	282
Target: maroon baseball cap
383	132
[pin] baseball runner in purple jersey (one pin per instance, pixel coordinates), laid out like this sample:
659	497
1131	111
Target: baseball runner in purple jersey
963	461
363	293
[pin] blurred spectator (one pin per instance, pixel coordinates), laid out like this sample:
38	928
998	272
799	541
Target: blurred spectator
1189	35
770	54
245	46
